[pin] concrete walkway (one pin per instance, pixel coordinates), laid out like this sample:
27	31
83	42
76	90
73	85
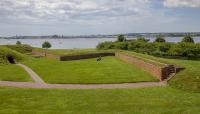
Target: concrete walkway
39	83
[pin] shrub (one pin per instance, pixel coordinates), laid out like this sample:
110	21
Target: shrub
156	48
174	50
18	43
121	38
188	39
142	47
106	45
142	39
159	39
121	45
163	47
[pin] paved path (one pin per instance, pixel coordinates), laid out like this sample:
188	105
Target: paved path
39	83
81	86
33	75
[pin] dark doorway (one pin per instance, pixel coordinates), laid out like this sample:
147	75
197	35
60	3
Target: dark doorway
11	59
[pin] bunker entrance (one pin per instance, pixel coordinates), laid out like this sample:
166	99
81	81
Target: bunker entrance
11	59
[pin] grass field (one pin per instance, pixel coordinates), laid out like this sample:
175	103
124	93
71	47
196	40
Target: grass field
99	101
109	70
157	100
73	51
13	73
188	79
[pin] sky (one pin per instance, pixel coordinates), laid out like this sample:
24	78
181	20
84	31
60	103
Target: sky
86	17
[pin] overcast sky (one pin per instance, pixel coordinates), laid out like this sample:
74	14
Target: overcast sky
82	17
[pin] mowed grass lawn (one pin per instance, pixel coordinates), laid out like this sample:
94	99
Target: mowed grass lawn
12	72
87	71
160	100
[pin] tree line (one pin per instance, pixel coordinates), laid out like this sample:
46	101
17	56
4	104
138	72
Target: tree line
186	48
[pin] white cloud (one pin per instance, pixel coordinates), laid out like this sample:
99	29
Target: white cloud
63	10
182	3
80	16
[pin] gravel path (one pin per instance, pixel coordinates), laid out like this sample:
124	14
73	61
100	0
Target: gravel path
39	83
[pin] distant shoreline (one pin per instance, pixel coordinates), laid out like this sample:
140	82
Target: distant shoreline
84	37
128	35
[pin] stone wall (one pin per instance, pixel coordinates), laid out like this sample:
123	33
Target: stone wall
161	72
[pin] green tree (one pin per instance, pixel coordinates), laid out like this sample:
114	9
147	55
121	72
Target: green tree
18	43
160	39
121	38
46	45
188	38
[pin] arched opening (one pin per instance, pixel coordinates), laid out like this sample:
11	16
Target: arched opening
11	59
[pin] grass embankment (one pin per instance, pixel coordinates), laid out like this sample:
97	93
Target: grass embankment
188	79
99	101
143	58
5	52
11	72
72	51
25	49
109	70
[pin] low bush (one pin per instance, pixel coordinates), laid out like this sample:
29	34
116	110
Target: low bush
160	39
106	45
113	45
188	39
142	39
121	38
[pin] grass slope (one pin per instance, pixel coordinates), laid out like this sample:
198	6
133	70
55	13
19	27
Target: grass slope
10	72
4	52
188	79
20	48
99	101
109	70
72	51
13	73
